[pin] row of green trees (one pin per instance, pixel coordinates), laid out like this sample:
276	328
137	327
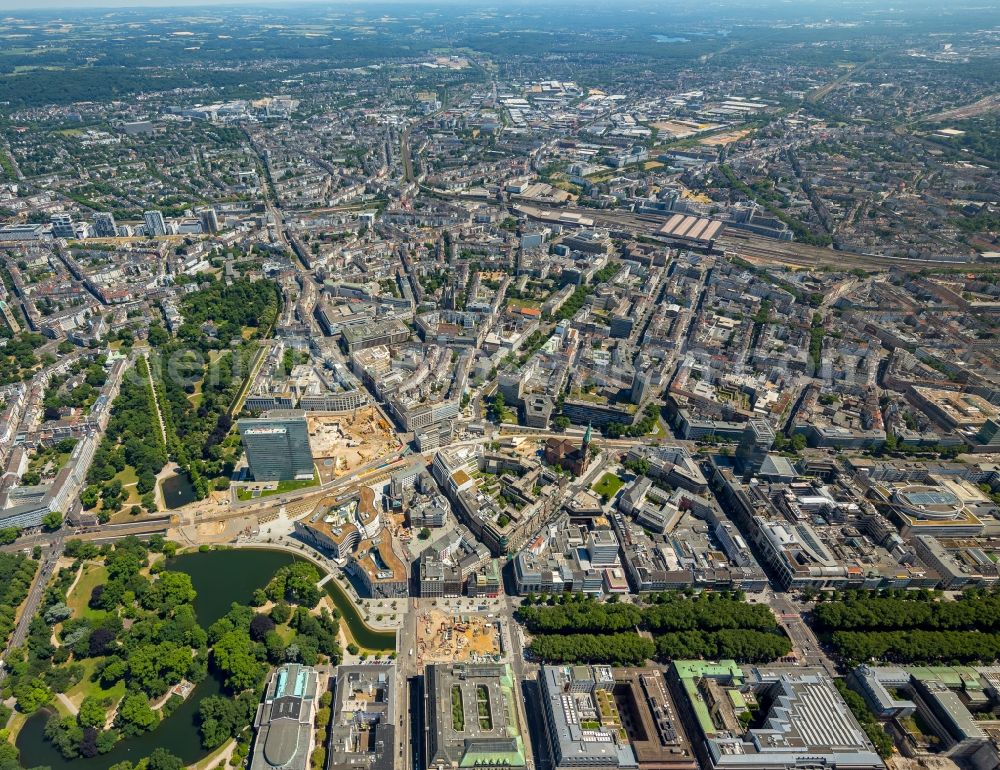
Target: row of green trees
917	646
744	645
706	612
913	611
708	626
626	649
575	617
16	573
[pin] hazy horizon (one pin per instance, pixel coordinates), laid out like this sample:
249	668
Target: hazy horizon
18	6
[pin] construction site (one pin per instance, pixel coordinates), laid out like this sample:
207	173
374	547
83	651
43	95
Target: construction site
343	442
444	638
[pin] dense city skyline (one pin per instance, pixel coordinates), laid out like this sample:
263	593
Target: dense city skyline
432	384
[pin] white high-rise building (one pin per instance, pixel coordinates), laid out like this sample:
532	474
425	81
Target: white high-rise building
62	226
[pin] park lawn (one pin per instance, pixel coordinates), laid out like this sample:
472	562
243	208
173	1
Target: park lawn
85	687
129	479
292	484
93	575
195	398
14	725
127	476
608	486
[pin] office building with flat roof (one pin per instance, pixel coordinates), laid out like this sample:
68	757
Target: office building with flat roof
363	731
651	720
805	719
284	721
582	724
277	447
360	336
471	717
948	700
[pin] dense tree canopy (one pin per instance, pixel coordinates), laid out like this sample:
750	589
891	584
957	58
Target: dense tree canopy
712	625
615	649
913	627
220	718
586	616
874	613
296	584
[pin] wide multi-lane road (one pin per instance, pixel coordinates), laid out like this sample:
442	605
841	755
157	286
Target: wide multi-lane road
50	555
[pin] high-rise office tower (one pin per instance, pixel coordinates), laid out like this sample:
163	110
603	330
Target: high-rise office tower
155	224
277	447
209	221
755	443
105	225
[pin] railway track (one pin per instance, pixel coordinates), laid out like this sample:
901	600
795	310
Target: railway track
802	255
749	245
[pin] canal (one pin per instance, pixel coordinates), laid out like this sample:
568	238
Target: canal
220	578
364	635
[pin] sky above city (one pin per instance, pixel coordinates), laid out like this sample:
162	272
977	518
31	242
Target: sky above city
21	5
30	5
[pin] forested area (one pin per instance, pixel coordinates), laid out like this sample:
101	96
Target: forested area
198	377
231	307
712	625
161	645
